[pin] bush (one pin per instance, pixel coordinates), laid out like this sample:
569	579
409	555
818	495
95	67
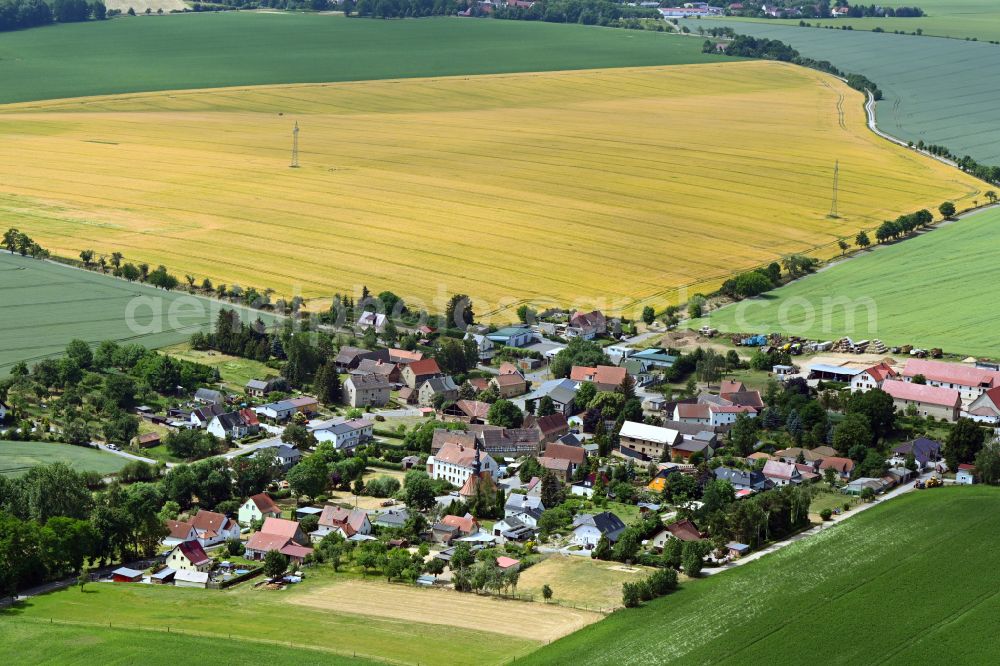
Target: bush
235	547
630	594
383	486
825	514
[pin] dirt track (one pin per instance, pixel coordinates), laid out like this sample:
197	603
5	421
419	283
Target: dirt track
528	620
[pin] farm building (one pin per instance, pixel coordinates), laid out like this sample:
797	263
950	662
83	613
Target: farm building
966	475
936	401
985	408
970	381
512	336
126	575
873	377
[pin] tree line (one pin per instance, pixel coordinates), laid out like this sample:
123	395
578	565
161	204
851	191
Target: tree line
746	46
20	14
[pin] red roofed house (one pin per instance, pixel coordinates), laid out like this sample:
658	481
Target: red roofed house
189	556
284	536
696	413
455	463
731	386
843	466
586	325
873	377
682	529
604	377
936	401
561	468
509	385
179	532
781	473
550	428
466	524
418	372
258	507
348	522
985	408
467	411
213	528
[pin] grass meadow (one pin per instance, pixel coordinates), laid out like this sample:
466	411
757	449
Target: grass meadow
295	619
609	188
899	584
958	19
45	305
926	291
210	50
16	458
940	91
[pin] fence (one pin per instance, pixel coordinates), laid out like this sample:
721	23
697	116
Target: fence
253	573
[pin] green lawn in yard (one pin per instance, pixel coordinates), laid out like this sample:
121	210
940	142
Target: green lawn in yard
245	617
829	499
45	305
244	48
940	91
928	291
16	458
235	371
901	583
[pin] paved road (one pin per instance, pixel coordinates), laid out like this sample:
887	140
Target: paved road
250	448
126	454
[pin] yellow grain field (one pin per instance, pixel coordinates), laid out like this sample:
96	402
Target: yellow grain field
610	187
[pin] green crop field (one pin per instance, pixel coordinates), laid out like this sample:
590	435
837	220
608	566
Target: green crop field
927	291
958	19
16	458
941	91
257	620
244	48
45	305
902	583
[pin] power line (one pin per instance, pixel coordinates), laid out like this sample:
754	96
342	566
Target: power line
295	146
836	185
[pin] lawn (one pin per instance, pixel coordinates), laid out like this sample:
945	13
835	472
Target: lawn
235	371
46	305
16	458
211	50
938	270
258	618
940	91
199	181
35	641
580	581
958	19
894	584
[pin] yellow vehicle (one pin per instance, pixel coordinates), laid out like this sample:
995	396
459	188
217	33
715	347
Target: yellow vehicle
934	482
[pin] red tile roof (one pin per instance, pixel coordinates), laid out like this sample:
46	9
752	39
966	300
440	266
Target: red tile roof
193	551
574	454
842	465
465	524
264	542
427	366
178	529
210	521
505	562
952	373
281	527
932	395
684	530
696	411
456	454
265	504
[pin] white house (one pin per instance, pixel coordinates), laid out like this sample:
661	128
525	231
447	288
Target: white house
873	377
348	522
212	528
345	435
189	556
257	508
234	424
372	320
649	441
966	475
588	528
278	411
455	463
485	347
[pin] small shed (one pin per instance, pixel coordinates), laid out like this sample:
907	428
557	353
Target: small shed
185	578
163	576
966	475
126	575
737	550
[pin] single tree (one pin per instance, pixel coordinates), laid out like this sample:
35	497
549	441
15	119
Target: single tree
275	564
862	240
947	210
